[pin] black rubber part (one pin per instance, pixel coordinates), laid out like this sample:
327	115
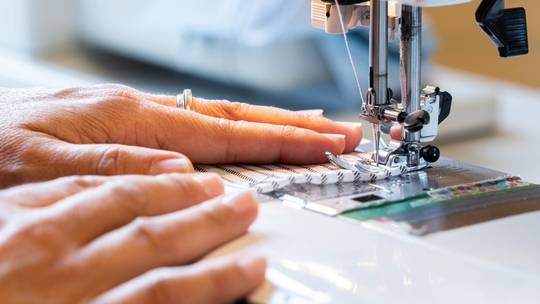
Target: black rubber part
430	153
445	106
401	117
507	28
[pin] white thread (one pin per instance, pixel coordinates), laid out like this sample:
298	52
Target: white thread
351	60
265	179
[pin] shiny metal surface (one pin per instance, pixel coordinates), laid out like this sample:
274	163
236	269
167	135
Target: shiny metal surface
379	108
316	258
333	200
410	61
378	48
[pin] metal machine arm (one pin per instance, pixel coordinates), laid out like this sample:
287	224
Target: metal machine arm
419	111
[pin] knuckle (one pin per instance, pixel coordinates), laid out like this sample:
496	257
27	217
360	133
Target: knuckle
109	162
76	181
184	184
219	281
218	215
131	197
234	110
43	231
159	289
143	232
303	116
287	131
120	90
225	126
118	96
67	92
226	131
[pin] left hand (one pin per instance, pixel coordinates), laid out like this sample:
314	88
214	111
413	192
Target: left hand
114	129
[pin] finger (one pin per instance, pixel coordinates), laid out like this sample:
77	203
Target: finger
46	193
312	120
171	239
206	139
395	132
267	115
272	115
312	112
107	159
220	281
89	214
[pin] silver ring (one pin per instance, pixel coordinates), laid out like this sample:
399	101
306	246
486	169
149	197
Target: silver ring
184	100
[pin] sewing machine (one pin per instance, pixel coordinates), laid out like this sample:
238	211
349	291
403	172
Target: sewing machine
420	110
443	232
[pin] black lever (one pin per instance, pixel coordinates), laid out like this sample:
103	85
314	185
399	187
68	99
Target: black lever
446	106
506	27
415	121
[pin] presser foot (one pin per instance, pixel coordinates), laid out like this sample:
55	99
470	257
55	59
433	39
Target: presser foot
360	165
411	155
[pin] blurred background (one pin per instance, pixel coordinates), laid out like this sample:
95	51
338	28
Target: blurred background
266	52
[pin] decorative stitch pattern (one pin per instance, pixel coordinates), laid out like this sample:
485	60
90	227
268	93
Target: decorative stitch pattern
269	178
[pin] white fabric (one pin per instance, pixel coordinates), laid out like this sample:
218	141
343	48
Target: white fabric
269	178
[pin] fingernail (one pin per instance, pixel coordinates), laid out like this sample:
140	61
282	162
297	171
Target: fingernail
314	112
253	267
174	165
241	202
211	182
334	136
352	125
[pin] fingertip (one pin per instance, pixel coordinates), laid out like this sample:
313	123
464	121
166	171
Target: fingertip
253	268
309	147
337	137
353	135
171	165
243	203
311	113
211	182
354	140
339	142
395	132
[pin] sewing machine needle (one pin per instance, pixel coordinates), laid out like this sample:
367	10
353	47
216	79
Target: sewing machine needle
377	141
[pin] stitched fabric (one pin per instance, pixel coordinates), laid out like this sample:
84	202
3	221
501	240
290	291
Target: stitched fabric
268	178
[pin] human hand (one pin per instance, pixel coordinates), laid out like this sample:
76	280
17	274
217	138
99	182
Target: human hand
123	239
395	132
113	129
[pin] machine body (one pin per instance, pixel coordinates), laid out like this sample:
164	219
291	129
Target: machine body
387	241
420	109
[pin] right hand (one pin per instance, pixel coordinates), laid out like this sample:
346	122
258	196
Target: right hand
124	240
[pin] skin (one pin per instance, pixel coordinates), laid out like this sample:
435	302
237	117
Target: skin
129	239
135	238
114	130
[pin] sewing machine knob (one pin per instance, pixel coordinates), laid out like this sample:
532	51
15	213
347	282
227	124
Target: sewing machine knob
416	120
506	27
430	153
